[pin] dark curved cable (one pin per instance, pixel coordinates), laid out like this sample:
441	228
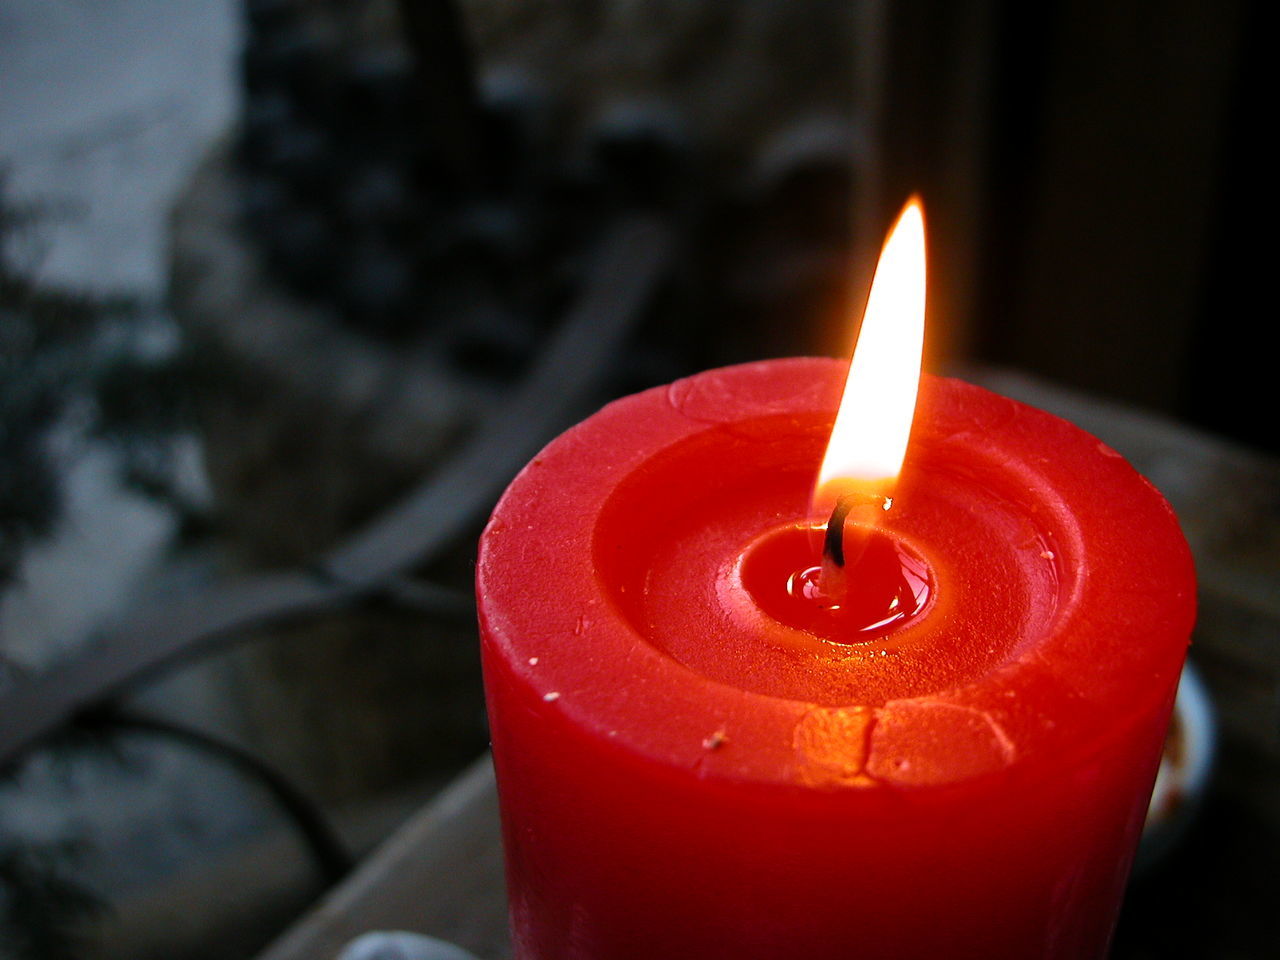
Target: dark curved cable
327	851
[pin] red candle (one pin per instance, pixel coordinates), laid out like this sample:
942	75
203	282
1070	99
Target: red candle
697	757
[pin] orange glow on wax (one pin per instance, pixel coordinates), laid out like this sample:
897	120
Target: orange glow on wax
869	438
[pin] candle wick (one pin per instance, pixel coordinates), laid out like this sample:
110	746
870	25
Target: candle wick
833	543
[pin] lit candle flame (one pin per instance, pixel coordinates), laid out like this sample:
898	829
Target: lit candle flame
869	439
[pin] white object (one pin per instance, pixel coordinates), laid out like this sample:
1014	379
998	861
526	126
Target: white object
399	945
1184	771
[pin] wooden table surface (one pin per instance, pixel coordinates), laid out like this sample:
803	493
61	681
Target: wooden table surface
1214	897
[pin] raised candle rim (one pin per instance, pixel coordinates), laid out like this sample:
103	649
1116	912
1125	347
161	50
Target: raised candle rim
973	523
1116	639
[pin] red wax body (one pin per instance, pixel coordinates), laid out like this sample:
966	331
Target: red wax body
682	775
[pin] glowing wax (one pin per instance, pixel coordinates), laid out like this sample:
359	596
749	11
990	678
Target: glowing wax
694	764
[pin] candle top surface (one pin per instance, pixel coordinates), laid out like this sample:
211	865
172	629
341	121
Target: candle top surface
628	577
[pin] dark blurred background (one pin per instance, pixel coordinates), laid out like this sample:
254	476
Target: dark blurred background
278	275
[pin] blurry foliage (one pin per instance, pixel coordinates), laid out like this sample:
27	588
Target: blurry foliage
36	332
115	372
41	905
45	909
63	352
